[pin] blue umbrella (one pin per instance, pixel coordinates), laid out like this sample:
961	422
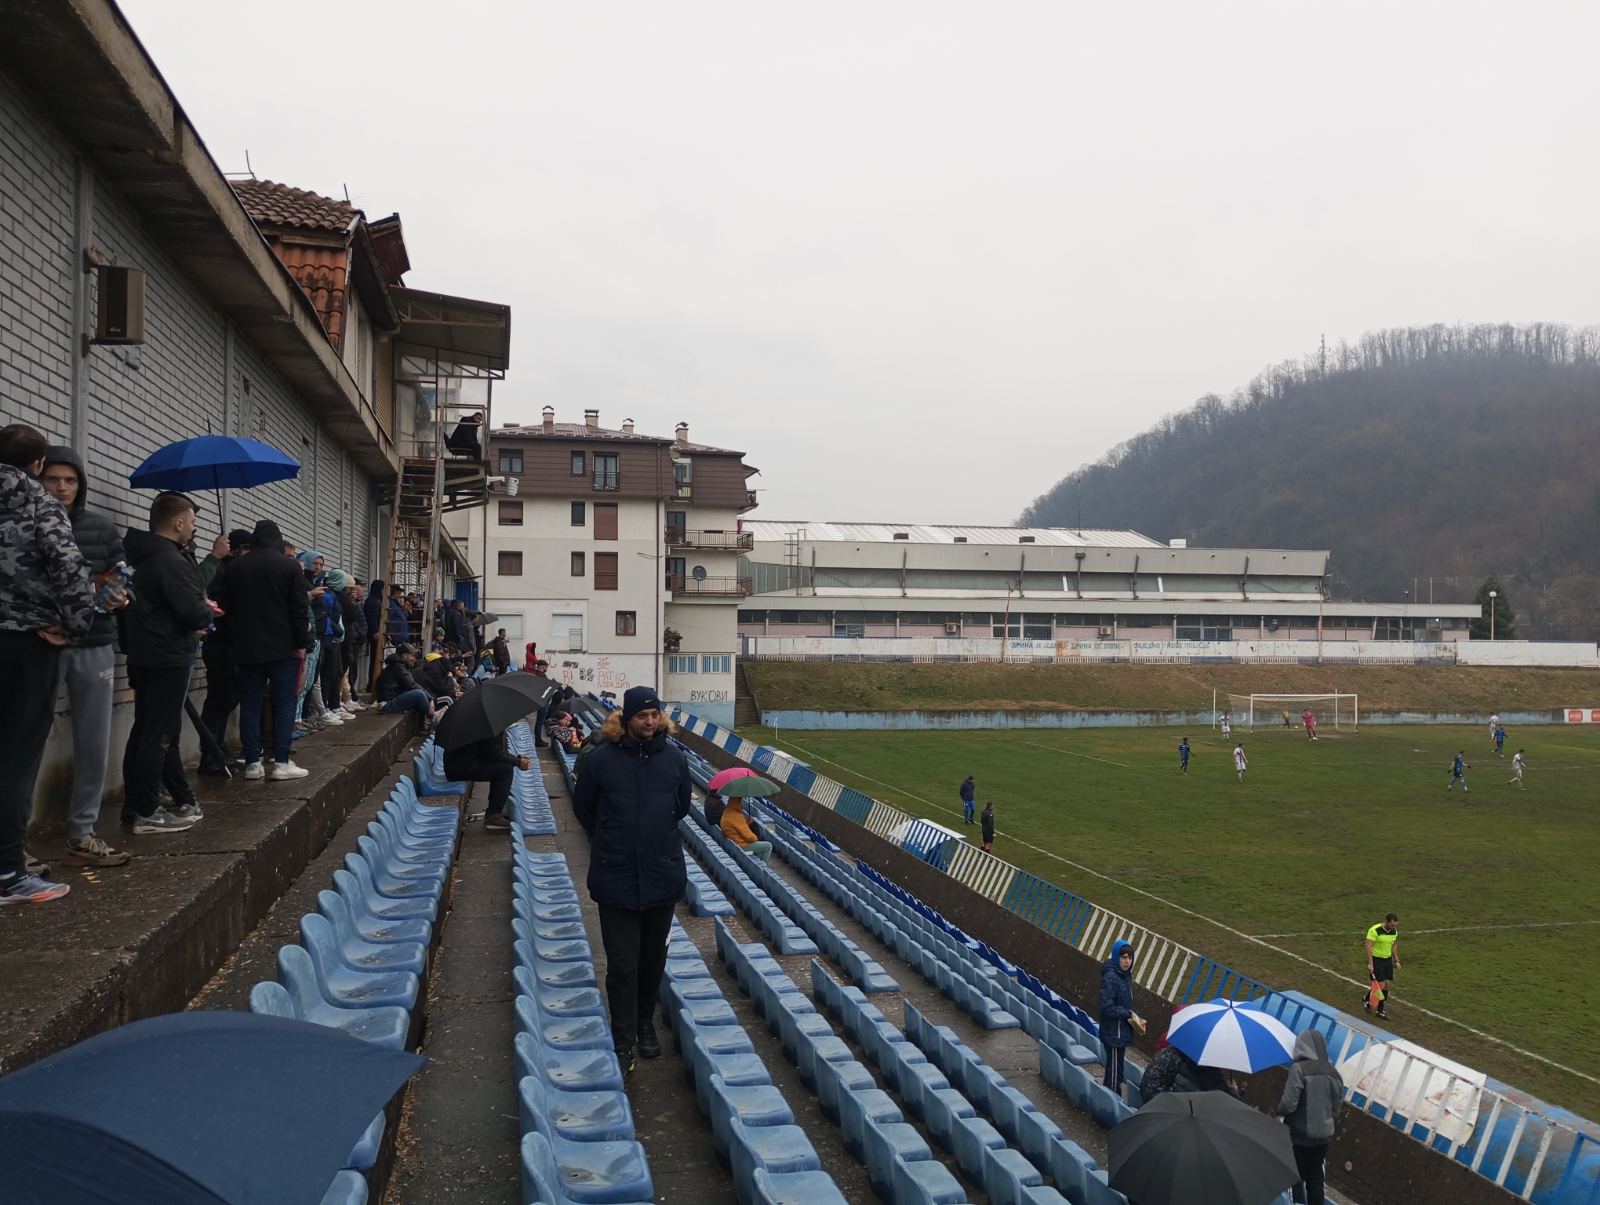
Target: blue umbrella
213	462
1240	1037
196	1108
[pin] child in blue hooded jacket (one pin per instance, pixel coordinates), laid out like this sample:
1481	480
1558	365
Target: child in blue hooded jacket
1117	1017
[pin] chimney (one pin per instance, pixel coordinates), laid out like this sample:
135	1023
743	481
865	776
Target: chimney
549	420
682	434
591	419
627	426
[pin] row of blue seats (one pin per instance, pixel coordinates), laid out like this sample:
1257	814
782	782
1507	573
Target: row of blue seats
946	1108
900	1165
752	1125
850	892
784	933
705	899
363	953
578	1143
530	801
864	971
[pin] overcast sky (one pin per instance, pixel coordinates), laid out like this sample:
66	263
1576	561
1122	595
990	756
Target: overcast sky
921	259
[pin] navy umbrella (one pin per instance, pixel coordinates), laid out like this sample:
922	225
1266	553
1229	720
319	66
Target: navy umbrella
195	1108
213	462
492	707
1200	1148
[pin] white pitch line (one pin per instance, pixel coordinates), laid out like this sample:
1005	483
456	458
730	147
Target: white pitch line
1544	924
1070	753
1226	928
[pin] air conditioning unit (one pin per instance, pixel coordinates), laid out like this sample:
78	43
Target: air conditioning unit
952	629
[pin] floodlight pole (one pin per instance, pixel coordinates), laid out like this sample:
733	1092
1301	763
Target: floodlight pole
1493	594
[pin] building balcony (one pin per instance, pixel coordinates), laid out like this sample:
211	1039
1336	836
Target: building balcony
711	541
684	586
750	502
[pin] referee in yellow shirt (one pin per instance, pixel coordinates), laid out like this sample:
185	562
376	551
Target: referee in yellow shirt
1382	961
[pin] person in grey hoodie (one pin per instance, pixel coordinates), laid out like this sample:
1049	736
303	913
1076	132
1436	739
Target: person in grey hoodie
1313	1095
88	664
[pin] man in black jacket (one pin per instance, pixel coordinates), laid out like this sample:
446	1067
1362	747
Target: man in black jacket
164	622
269	614
632	793
356	639
222	670
398	691
487	761
88	664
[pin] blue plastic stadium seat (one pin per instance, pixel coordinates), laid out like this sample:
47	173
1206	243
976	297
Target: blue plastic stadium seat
355	951
776	1148
339	909
376	880
1006	1173
597	1183
585	1070
974	1136
348	988
386	1027
348	1188
924	1182
586	1032
795	1188
365	1152
558	1002
600	1116
754	1106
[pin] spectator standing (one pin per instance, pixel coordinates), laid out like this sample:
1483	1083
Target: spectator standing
1313	1095
163	624
487	761
331	634
456	628
987	820
373	609
398	691
633	790
399	623
222	672
736	827
501	651
1117	1016
88	664
265	597
1382	962
46	602
356	639
969	798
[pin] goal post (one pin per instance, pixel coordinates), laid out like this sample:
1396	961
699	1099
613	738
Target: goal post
1266	711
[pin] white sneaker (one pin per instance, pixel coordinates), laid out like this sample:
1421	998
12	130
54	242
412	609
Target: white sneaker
285	770
330	719
255	770
346	710
356	705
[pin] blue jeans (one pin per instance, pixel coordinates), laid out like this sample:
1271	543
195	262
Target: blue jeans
284	677
416	699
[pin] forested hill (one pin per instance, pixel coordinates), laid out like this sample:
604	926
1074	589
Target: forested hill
1451	452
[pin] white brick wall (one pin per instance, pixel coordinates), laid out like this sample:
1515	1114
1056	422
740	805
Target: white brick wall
172	387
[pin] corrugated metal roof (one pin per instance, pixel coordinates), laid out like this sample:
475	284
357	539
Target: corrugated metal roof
778	530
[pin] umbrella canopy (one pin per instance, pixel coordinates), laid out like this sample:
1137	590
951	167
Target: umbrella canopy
1200	1148
753	786
491	708
1240	1037
722	777
213	462
195	1108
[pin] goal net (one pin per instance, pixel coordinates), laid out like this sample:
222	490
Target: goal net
1254	713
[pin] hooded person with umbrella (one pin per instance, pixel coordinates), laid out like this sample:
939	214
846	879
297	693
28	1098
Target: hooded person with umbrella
1199	1148
472	735
1313	1095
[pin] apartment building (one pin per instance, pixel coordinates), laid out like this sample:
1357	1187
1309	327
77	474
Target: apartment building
616	552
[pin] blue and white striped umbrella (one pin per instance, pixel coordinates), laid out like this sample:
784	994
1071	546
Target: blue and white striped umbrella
1239	1037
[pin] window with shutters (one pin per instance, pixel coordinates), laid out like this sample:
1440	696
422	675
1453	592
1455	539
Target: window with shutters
577	564
605	571
509	514
510	564
605	520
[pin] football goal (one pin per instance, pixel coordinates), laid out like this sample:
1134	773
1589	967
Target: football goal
1254	713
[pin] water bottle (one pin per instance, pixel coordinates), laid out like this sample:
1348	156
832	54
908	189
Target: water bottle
111	584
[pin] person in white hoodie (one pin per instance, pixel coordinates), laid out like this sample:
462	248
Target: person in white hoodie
1313	1095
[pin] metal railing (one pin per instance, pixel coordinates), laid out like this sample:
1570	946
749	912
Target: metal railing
708	587
711	541
1513	1146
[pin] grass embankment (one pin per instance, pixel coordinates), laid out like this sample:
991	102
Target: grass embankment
1496	891
846	686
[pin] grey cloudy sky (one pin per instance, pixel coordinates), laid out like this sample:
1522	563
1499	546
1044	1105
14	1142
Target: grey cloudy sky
920	259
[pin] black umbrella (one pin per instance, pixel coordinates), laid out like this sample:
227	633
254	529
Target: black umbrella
495	705
196	1108
1200	1148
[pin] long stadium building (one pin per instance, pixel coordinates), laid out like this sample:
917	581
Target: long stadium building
1050	583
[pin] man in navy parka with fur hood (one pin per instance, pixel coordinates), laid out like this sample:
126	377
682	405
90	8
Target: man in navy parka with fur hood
1116	1011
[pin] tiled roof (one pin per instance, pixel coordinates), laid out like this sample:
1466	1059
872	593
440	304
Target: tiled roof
271	204
323	273
583	431
938	533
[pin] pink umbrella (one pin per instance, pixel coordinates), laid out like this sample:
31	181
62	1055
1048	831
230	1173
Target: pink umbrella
723	777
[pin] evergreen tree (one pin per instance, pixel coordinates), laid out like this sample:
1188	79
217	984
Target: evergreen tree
1503	617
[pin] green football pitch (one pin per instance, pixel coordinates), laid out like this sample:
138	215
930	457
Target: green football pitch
1498	890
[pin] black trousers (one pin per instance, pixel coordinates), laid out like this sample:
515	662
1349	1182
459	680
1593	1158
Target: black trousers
499	776
29	667
1310	1160
636	957
154	758
331	671
352	666
222	692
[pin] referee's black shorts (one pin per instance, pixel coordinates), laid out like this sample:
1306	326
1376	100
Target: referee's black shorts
1383	970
